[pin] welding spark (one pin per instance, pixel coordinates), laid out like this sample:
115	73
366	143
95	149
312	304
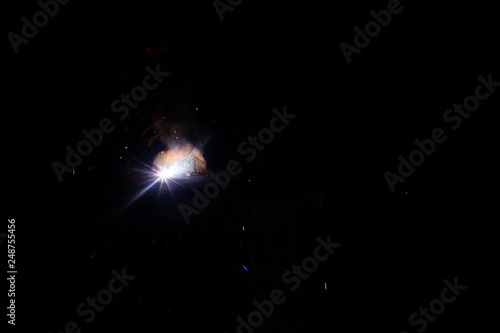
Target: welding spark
169	169
178	161
165	173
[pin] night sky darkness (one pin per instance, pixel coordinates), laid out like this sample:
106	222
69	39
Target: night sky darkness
321	176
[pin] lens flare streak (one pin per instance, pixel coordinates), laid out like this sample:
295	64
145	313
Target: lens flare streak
170	168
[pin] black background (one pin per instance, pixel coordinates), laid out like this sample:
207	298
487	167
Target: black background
322	175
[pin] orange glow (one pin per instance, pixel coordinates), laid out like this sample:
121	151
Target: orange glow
181	159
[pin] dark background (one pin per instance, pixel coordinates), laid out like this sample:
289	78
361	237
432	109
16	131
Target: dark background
322	175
